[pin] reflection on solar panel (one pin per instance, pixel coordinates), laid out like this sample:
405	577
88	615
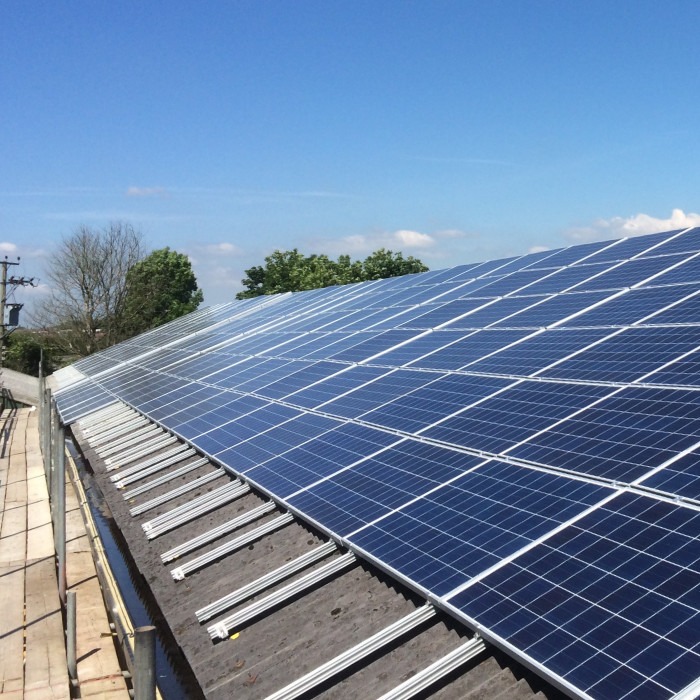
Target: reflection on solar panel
517	439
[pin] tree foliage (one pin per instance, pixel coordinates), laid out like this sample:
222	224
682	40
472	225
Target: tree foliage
88	281
23	353
160	288
104	289
292	271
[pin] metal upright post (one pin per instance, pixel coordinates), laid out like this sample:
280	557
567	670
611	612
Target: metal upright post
46	446
145	663
53	452
60	477
71	636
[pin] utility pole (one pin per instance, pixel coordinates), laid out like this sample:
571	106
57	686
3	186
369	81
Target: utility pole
4	283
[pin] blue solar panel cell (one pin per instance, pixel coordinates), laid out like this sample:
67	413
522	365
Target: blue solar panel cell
621	438
683	372
539	351
462	351
434	315
516	282
688	272
632	272
329	453
497	423
461	529
689	242
428	404
201	399
354	497
622	582
78	401
681	477
635	245
276	438
348	377
499	312
628	355
377	392
307	373
685	308
632	306
552	310
544	260
218	415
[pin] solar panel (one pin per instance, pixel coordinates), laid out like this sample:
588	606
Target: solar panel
519	439
609	603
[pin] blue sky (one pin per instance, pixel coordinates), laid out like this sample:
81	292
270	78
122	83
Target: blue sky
452	131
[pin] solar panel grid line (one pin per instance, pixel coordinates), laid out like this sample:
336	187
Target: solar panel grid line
683	261
296	446
504	454
416	499
575	353
466	314
563	421
645	320
679	455
319	407
533	664
517	314
531	545
149	351
349	467
411	363
651	577
187	337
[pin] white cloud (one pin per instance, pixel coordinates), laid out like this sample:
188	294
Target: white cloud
146	192
223	249
397	241
637	225
6	248
538	249
413	239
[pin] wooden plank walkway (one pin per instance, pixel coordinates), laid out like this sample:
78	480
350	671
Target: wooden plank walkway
32	641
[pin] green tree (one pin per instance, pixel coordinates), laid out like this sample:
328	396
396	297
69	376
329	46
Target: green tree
383	263
160	288
292	271
23	353
87	278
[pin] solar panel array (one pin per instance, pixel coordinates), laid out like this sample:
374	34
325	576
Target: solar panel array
517	439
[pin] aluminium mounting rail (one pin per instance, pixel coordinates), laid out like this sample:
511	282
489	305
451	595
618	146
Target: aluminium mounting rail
219	531
123	427
152	465
194	509
120	444
231	546
433	673
163	478
356	653
178	491
153	445
106	415
221	629
266	581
